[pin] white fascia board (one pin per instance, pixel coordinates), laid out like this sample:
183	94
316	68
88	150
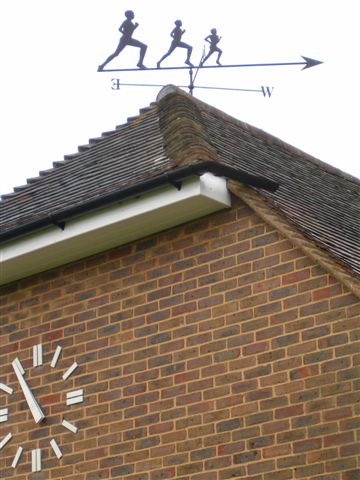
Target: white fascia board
113	226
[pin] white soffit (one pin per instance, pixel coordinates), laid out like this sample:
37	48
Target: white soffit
112	226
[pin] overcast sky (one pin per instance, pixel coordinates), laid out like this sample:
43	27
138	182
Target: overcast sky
53	99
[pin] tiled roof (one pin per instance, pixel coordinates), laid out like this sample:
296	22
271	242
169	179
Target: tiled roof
321	201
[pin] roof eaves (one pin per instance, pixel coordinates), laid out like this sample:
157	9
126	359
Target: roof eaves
173	177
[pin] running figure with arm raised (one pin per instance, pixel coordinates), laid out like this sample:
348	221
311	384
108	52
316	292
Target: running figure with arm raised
213	39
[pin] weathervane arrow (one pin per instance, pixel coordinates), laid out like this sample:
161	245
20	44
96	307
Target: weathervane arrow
308	63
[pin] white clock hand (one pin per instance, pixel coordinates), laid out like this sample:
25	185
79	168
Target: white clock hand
29	397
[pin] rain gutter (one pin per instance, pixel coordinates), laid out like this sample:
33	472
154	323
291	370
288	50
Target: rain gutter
174	177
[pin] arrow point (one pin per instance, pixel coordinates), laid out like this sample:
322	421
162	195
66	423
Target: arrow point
310	62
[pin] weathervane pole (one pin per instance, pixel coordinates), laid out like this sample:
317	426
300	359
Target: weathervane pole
191	86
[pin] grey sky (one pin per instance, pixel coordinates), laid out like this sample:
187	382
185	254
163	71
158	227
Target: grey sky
53	99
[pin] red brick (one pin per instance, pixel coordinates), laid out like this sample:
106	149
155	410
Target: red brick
296	276
261	467
306	445
341	438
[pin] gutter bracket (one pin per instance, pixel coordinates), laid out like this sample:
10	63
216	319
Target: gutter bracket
57	223
175	183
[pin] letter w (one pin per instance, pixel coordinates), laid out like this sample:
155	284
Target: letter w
267	91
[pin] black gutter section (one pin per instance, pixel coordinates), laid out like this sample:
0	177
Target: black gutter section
173	176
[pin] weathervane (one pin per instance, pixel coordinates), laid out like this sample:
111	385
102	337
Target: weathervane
127	29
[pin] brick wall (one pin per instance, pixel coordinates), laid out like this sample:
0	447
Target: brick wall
213	351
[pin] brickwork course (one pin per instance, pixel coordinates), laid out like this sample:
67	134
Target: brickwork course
227	347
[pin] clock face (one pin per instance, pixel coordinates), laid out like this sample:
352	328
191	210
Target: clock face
38	414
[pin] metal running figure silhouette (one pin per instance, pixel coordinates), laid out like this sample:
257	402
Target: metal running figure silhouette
127	29
176	34
213	39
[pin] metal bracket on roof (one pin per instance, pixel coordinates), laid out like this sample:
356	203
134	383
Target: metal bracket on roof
175	183
57	223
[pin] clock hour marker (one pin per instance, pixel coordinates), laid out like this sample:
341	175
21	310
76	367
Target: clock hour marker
3	415
55	357
36	460
77	396
69	371
6	389
5	440
17	457
69	426
37	355
56	448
